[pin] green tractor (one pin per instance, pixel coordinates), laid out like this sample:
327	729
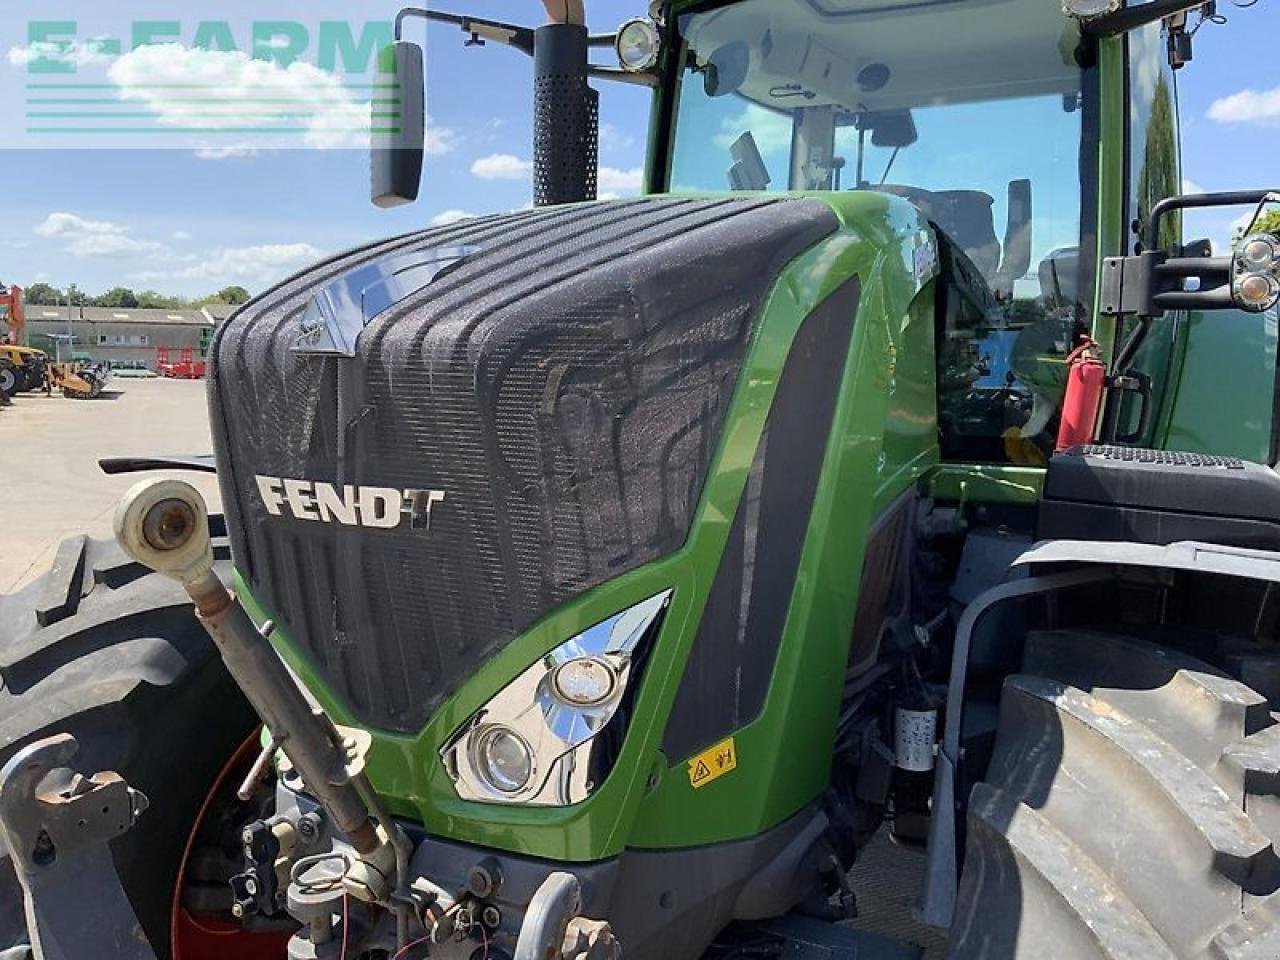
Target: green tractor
785	563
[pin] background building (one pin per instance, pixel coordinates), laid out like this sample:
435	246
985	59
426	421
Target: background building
118	334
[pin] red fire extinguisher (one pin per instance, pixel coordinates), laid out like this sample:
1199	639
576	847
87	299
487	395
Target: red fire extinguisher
1086	380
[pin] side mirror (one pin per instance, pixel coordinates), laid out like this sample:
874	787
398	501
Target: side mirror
890	128
748	171
399	142
726	71
1017	236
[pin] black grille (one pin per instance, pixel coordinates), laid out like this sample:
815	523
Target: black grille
565	386
1168	458
729	670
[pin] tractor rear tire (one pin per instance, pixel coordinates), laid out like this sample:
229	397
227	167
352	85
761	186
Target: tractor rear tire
103	649
1129	811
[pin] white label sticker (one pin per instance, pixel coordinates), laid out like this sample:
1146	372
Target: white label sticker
913	736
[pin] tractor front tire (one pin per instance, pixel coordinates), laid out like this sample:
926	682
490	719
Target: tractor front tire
101	648
1128	813
9	380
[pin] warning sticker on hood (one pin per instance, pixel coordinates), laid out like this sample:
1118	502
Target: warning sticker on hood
713	763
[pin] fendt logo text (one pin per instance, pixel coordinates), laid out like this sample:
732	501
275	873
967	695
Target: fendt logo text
384	508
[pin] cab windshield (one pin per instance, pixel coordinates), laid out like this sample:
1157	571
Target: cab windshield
973	110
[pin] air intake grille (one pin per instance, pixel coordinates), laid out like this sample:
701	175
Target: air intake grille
1167	458
566	388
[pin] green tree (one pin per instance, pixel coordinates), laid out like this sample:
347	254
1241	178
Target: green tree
76	296
43	295
232	295
1158	177
151	300
119	297
1269	222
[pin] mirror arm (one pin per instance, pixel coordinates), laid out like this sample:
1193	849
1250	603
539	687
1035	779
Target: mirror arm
1218	298
1195	201
1130	18
645	79
510	34
521	38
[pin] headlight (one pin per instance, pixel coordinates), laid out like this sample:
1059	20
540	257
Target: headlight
1255	283
638	44
501	756
538	740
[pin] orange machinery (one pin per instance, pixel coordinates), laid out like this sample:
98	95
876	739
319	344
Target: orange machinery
15	319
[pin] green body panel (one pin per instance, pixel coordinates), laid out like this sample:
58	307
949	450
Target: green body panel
1223	362
884	439
965	483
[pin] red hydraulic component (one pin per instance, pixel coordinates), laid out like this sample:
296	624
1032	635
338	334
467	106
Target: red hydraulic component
1086	380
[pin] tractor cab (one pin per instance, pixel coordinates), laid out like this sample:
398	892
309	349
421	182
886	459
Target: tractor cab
990	133
1037	141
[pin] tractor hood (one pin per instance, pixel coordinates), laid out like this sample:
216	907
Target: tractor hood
428	444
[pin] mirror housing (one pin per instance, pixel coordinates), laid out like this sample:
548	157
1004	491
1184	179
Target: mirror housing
890	128
748	171
726	70
1016	260
397	152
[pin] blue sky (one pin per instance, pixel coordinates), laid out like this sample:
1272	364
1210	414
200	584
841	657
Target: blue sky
188	222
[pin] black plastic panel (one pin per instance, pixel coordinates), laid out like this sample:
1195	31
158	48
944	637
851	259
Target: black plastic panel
1159	496
731	664
564	387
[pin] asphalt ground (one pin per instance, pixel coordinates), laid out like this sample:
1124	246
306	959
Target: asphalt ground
50	484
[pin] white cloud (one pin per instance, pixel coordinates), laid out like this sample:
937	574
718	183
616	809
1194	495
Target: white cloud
613	181
95	238
772	131
1190	186
62	224
613	138
441	139
229	89
260	264
74	53
1248	106
181	235
447	217
502	166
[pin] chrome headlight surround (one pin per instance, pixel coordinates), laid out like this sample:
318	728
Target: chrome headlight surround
557	710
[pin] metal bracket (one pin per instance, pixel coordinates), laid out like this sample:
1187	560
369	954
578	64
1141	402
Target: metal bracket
1125	284
56	823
